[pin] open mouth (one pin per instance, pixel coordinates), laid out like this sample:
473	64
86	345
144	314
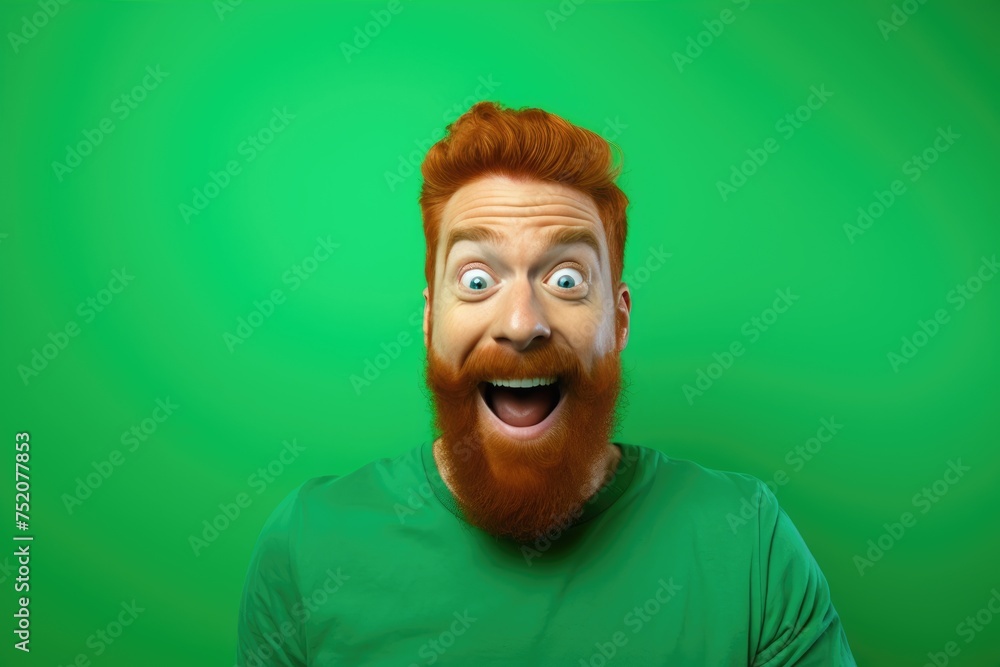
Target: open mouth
522	408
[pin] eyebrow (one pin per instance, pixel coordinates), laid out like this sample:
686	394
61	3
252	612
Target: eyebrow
562	236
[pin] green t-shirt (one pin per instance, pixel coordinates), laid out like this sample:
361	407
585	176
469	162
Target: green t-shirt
670	563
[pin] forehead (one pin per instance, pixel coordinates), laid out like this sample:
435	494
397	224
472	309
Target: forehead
506	206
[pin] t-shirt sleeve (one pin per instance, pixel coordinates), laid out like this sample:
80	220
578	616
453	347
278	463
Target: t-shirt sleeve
269	632
799	625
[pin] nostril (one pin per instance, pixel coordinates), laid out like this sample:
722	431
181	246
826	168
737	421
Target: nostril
521	344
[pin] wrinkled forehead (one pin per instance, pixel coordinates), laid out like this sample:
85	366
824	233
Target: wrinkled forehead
501	196
500	205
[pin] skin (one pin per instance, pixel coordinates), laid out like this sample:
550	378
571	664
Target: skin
525	304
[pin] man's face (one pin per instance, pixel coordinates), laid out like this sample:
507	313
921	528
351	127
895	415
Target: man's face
523	293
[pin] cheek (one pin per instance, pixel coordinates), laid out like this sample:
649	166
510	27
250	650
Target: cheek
454	334
589	334
604	341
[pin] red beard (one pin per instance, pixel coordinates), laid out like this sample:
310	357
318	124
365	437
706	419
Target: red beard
523	489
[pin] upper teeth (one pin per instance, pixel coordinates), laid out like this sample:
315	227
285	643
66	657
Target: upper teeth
527	382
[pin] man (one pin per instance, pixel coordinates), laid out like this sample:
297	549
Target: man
522	535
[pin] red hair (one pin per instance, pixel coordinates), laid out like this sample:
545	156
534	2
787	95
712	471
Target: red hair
526	143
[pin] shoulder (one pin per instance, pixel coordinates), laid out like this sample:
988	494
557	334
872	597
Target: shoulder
676	480
309	504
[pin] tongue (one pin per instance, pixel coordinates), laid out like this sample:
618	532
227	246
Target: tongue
524	407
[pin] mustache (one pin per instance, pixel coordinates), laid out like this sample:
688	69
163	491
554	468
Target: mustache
497	362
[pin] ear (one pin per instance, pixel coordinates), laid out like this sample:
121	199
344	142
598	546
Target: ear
623	315
427	317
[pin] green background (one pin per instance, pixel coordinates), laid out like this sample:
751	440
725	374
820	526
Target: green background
609	66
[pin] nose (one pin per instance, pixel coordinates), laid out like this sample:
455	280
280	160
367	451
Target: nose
521	317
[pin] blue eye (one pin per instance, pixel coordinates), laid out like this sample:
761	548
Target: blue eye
477	280
567	278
